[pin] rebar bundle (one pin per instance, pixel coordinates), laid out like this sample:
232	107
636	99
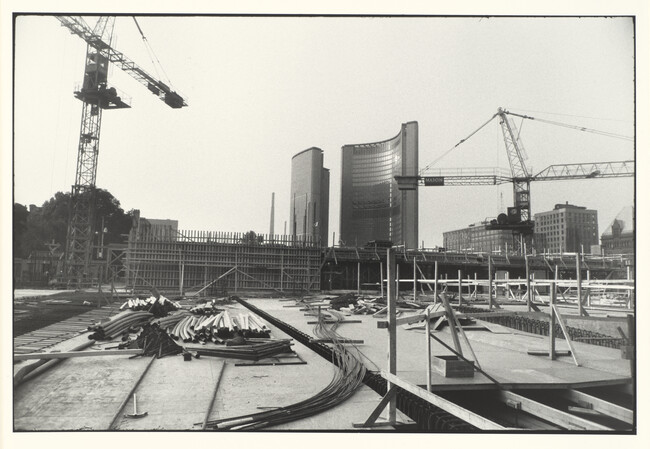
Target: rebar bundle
254	351
347	378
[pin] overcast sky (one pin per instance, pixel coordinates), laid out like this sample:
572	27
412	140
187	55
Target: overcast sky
261	89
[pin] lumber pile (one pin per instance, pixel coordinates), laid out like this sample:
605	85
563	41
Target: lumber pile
218	327
120	324
158	307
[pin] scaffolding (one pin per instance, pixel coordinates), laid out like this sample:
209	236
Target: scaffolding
189	261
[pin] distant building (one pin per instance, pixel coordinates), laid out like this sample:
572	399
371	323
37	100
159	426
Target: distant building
566	228
477	238
372	207
310	194
619	236
164	228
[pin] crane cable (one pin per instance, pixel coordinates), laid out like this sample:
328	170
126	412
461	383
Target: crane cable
579	128
152	55
454	147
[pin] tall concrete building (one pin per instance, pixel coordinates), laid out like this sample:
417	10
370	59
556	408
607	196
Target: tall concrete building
372	207
477	238
566	228
310	195
619	237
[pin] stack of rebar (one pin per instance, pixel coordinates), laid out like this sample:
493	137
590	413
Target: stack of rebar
120	324
215	328
254	351
348	377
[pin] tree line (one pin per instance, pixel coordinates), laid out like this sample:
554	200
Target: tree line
35	227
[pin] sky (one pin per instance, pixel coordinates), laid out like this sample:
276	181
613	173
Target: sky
261	89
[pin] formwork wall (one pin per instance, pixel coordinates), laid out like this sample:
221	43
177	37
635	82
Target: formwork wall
192	259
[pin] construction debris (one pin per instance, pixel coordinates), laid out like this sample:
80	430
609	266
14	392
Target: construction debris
210	307
364	305
155	341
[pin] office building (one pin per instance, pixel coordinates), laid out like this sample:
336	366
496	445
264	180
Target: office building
310	187
566	228
619	236
477	238
372	207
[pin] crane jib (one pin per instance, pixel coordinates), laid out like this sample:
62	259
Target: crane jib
434	180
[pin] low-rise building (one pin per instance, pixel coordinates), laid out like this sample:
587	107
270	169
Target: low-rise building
566	228
478	238
619	237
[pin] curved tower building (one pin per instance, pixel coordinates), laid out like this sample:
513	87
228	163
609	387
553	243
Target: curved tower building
372	208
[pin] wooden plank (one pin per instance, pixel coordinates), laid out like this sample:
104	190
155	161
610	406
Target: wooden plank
380	407
446	405
214	396
566	420
546	353
565	332
66	355
600	405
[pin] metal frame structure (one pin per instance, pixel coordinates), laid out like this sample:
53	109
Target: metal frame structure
519	176
96	95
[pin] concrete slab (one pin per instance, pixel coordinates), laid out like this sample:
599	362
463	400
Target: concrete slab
502	354
86	393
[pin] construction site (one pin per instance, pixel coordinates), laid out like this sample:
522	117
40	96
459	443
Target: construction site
200	330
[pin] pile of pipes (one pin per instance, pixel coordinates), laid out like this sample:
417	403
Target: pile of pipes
122	323
155	341
218	327
170	320
208	308
255	351
159	307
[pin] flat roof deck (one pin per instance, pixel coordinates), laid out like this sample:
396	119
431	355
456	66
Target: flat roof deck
501	352
86	393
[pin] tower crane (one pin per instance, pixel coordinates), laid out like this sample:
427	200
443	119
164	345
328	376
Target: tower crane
96	95
518	217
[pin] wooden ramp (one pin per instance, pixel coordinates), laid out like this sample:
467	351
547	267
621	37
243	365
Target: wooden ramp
63	330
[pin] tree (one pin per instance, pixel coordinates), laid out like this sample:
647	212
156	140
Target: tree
19	228
50	222
250	238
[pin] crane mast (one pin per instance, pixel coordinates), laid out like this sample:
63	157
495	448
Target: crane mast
96	95
519	218
520	176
